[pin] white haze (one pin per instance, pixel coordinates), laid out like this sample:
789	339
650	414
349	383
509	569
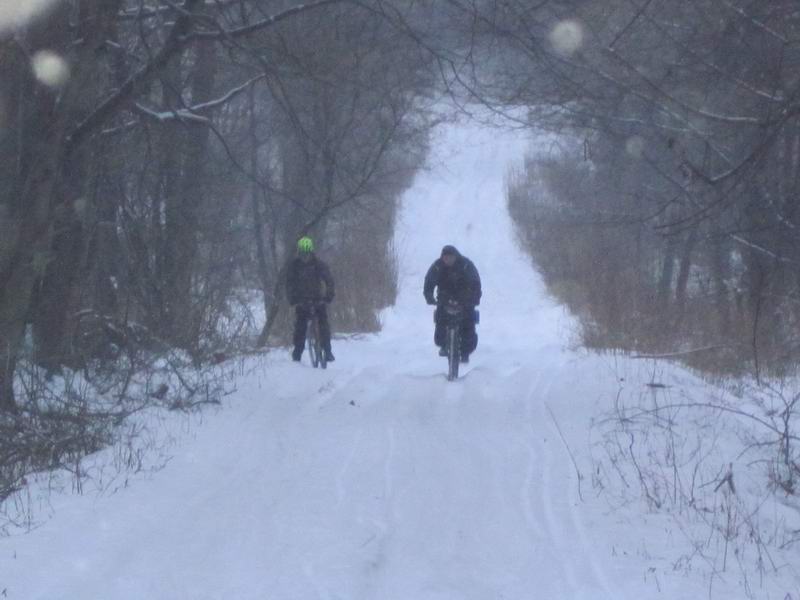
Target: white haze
18	13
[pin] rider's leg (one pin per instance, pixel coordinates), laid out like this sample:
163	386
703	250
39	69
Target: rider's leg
299	337
469	337
439	334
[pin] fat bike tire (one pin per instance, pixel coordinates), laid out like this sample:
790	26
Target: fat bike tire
313	344
453	357
322	359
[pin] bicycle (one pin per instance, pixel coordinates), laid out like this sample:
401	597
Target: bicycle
451	314
313	338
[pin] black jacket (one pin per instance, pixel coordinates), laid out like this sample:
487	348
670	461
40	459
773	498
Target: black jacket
460	282
308	280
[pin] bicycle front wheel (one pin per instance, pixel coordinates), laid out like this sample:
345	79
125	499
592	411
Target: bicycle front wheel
322	358
312	341
453	354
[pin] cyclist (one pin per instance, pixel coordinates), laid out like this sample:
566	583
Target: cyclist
457	279
309	281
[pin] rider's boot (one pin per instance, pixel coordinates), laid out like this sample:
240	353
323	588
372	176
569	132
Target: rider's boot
329	357
442	351
465	358
296	354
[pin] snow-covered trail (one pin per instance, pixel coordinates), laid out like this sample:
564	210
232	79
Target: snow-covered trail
377	479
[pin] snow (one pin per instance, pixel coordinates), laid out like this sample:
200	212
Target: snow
378	479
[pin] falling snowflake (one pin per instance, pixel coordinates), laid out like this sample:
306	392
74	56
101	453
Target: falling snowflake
50	69
634	146
567	37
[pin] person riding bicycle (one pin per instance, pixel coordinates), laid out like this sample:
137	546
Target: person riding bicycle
309	283
457	279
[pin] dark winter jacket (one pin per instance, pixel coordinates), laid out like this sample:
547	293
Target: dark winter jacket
460	282
308	280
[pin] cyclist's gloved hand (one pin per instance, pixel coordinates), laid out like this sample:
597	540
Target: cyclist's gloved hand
430	300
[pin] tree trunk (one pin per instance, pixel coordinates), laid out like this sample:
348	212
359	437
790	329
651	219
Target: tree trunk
258	223
7	401
54	295
274	308
719	271
39	158
683	277
184	207
664	290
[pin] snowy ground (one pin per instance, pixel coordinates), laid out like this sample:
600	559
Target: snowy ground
378	479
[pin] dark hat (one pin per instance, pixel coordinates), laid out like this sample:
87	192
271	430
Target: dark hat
450	250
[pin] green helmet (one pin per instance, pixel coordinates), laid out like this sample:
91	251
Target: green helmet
305	244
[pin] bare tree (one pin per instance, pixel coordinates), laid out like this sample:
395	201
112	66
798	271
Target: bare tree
114	174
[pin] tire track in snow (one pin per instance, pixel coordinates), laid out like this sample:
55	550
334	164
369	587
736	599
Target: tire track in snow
341	491
562	515
559	574
374	571
571	492
567	584
598	572
534	522
387	464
